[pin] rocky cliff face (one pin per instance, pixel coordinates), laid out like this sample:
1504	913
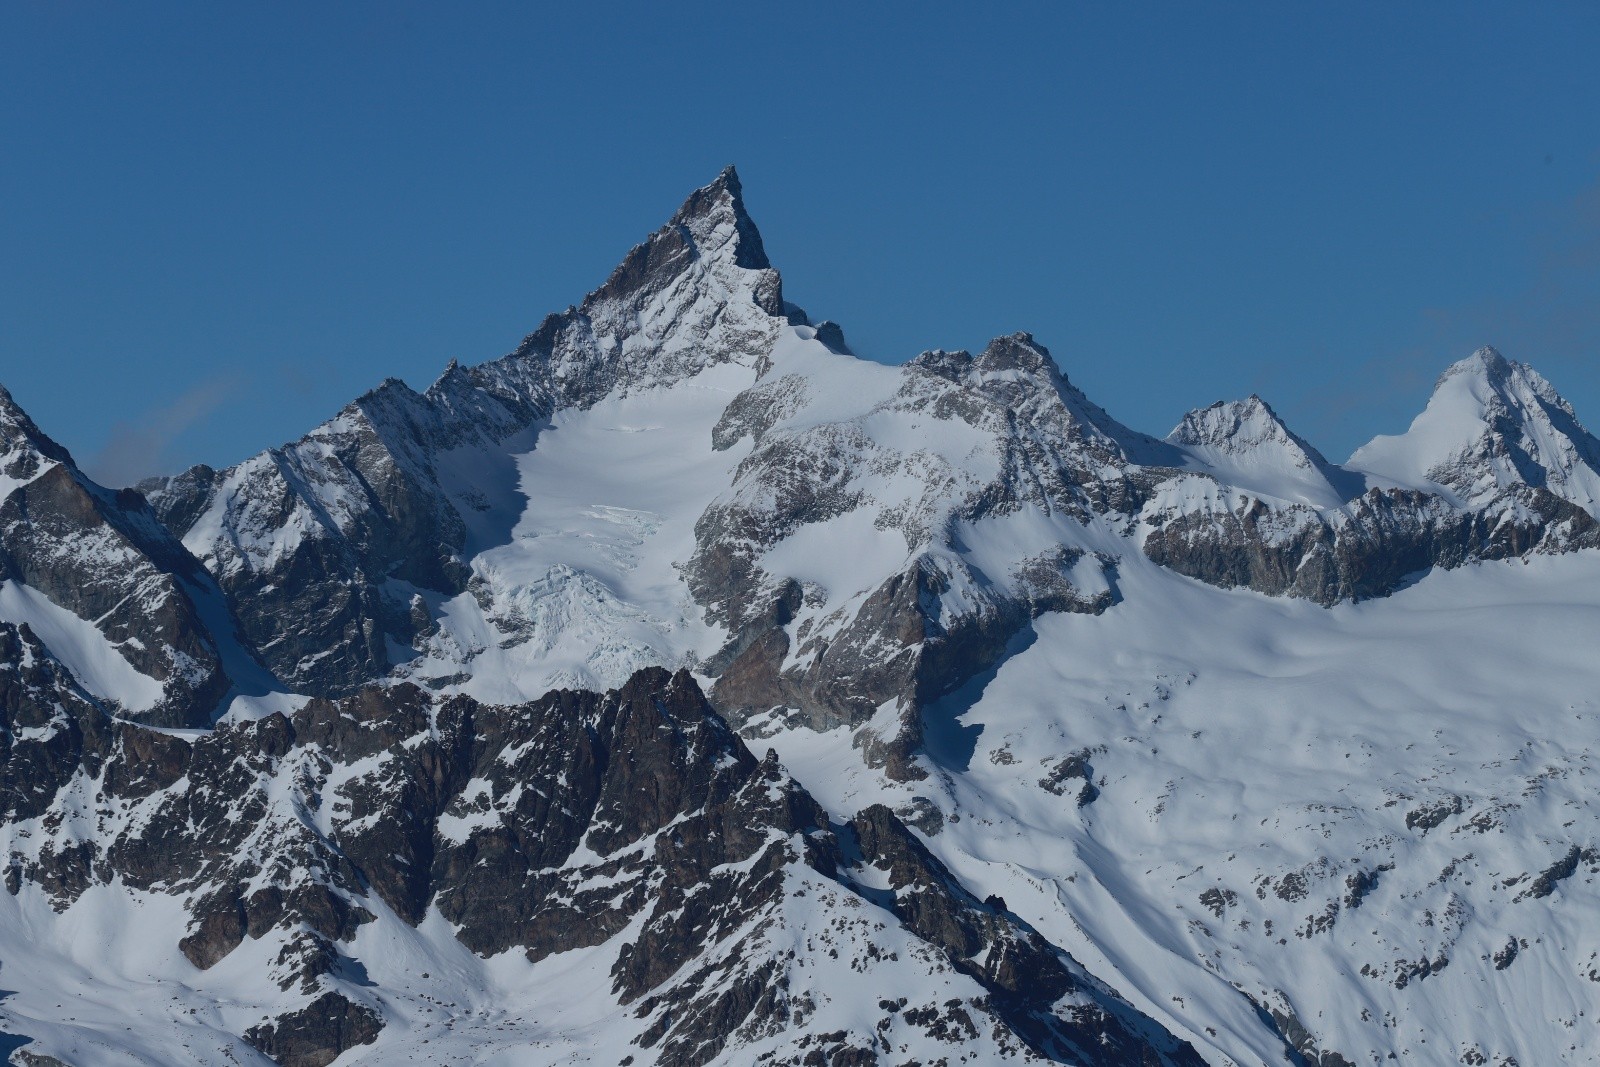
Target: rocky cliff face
633	822
98	571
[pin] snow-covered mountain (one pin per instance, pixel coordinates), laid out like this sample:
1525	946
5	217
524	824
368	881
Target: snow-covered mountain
1492	430
1087	746
1246	445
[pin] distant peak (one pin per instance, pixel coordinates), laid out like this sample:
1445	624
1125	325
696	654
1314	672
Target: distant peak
1492	424
1235	427
1246	444
1495	382
1486	363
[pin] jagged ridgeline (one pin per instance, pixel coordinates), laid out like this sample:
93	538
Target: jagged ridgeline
423	739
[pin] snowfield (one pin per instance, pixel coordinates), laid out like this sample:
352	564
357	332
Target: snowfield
1255	762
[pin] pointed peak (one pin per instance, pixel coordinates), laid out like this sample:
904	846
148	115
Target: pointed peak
725	188
1490	380
1250	405
729	179
1486	364
719	202
1017	352
1488	356
711	233
1246	444
1008	358
17	430
1017	372
9	409
1492	424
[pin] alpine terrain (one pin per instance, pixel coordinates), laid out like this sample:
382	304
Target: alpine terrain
681	689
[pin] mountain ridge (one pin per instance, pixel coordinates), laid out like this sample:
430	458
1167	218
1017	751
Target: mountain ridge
1088	742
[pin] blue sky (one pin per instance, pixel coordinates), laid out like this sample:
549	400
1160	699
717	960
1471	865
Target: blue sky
221	222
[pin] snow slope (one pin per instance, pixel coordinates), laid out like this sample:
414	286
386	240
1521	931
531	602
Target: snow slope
93	660
1343	813
581	589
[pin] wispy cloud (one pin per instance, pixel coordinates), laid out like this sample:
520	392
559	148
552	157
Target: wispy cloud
143	446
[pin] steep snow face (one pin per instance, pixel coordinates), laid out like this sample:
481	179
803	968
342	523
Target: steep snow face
1491	425
98	665
1244	444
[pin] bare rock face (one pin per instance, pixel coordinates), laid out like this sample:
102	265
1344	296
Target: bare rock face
333	533
317	1034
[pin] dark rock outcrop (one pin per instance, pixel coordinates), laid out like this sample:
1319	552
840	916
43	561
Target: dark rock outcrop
543	828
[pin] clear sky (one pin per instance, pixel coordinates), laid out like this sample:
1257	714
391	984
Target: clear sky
221	222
